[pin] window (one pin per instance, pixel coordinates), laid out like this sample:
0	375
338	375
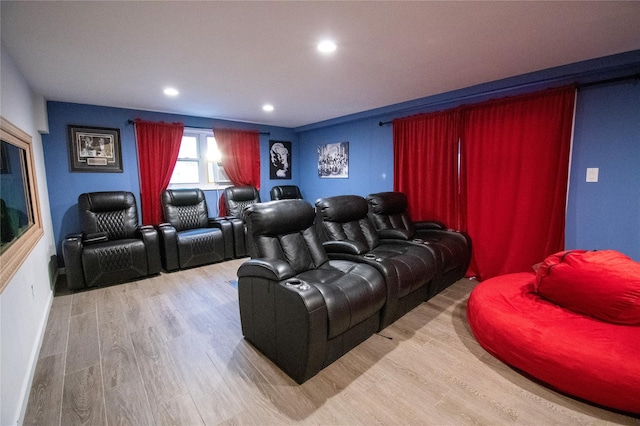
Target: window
199	162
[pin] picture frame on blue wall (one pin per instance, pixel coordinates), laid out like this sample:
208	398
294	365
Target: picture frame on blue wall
279	159
333	160
95	149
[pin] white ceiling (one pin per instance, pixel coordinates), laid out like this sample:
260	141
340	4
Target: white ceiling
229	58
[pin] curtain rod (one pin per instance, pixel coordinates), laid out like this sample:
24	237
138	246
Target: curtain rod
204	128
579	86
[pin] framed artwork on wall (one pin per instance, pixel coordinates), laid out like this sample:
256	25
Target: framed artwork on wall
95	149
279	160
333	160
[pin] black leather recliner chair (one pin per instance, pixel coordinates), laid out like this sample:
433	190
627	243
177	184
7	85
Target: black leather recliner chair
302	310
236	199
112	248
388	212
409	269
190	237
285	192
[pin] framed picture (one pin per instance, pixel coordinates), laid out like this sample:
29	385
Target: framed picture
94	149
333	160
279	160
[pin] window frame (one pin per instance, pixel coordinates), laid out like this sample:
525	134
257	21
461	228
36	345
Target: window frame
203	163
14	255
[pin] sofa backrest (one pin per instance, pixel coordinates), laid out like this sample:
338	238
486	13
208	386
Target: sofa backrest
388	210
344	218
185	208
237	198
285	230
114	213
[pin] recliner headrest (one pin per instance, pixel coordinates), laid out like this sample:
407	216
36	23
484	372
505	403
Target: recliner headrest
342	208
388	203
183	197
242	193
281	217
106	201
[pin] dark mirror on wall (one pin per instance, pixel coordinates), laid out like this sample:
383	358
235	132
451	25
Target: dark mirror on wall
20	218
15	209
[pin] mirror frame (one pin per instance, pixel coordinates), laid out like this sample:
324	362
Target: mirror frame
16	253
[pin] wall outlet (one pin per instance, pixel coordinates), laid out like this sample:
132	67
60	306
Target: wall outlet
592	174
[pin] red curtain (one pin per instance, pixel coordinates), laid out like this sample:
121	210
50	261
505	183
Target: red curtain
240	151
426	165
158	147
514	168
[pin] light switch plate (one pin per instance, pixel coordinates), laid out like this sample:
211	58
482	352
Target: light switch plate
592	174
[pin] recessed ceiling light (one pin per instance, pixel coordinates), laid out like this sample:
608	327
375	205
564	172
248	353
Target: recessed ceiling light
170	91
267	107
327	46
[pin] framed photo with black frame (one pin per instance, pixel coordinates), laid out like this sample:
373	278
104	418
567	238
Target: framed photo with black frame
279	159
95	149
333	160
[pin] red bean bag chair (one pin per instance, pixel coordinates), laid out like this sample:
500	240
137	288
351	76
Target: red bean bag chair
574	324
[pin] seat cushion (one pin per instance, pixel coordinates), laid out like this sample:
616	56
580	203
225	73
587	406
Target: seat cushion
603	284
200	246
353	292
114	261
452	246
415	265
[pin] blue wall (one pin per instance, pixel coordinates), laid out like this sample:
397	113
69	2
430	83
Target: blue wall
370	160
606	214
602	215
599	215
65	186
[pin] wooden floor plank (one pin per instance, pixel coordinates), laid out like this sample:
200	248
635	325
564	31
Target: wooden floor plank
45	397
118	358
83	401
83	348
127	404
161	379
56	334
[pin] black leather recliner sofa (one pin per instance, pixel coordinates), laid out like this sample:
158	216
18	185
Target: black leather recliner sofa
388	212
302	310
111	248
409	269
189	237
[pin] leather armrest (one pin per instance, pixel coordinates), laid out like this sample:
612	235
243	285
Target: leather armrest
168	246
429	224
270	269
151	242
95	238
394	234
72	255
349	247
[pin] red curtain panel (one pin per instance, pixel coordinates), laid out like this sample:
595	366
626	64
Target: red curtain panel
514	169
158	147
426	165
240	151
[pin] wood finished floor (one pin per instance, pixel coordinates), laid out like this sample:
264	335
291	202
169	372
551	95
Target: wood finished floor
168	350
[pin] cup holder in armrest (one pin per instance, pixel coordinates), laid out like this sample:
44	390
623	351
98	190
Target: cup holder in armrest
371	256
297	284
